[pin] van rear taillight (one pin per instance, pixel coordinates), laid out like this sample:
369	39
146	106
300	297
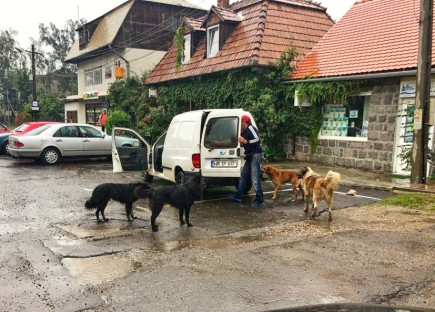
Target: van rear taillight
18	144
196	160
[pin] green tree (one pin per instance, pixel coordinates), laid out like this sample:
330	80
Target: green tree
59	42
131	96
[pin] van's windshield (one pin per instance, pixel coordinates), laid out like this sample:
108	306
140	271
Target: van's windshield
221	132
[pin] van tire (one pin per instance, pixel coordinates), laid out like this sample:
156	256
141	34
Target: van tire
180	178
248	185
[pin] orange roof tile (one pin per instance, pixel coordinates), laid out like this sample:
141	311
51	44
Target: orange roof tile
373	36
266	28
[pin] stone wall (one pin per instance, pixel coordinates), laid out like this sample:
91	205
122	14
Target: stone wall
375	154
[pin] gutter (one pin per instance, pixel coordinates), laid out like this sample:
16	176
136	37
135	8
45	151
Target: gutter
126	62
359	77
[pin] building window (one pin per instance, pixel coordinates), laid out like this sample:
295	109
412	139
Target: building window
93	111
212	41
346	120
93	76
186	49
108	72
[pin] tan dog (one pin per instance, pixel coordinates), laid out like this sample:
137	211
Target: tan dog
279	177
320	187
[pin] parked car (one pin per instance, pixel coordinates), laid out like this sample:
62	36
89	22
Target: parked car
197	142
20	130
4	128
50	143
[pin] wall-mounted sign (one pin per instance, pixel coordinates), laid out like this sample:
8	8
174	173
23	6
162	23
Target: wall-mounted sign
408	88
91	95
353	113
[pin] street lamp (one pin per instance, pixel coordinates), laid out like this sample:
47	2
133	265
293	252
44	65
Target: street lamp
35	104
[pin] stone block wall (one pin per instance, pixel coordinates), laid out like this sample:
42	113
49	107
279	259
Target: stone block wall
375	154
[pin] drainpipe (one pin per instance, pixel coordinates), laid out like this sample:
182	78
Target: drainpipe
126	62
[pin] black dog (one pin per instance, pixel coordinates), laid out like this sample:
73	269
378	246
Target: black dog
179	196
126	194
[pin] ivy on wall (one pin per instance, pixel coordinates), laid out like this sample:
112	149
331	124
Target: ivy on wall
320	93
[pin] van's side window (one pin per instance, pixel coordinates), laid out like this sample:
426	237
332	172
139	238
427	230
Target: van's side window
221	132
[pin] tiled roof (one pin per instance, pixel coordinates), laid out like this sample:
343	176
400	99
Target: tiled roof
266	29
194	24
373	36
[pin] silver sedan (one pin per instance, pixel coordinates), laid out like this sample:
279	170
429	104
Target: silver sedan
50	143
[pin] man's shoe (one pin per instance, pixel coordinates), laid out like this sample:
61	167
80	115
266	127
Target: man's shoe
257	204
236	198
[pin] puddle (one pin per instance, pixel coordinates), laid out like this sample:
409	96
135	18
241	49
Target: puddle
209	243
97	270
93	229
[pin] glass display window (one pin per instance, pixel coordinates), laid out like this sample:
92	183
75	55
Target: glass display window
346	120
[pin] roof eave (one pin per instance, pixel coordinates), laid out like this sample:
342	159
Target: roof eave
389	74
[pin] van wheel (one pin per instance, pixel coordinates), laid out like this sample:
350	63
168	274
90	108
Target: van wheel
248	185
147	177
180	177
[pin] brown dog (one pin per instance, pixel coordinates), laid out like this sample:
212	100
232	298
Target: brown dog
279	177
320	187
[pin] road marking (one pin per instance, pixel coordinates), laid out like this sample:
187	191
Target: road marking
282	190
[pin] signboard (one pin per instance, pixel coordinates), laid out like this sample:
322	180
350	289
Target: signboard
35	105
90	95
408	88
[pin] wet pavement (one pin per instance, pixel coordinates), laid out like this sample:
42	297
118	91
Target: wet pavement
55	256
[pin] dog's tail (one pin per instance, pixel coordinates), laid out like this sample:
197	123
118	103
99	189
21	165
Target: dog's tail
143	191
332	178
91	204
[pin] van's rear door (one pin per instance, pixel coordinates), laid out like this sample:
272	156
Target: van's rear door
130	151
220	149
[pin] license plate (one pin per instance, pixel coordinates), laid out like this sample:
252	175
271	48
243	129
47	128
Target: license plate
223	163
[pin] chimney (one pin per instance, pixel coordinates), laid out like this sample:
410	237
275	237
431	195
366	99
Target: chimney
223	3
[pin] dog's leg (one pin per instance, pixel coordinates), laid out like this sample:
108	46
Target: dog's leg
306	198
313	215
129	211
156	209
187	213
330	209
181	215
295	191
275	192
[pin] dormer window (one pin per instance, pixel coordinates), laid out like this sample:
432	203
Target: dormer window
187	39
212	41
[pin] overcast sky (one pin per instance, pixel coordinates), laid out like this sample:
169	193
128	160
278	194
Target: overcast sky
25	16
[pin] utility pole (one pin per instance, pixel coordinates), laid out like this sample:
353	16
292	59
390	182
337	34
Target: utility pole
421	113
33	81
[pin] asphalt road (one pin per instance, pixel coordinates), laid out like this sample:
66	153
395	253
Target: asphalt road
55	256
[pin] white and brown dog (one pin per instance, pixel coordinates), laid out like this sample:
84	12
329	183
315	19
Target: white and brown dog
320	187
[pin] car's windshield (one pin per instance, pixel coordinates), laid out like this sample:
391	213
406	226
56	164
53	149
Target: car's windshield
221	133
38	130
21	128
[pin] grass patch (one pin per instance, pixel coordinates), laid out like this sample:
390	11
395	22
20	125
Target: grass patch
420	201
398	176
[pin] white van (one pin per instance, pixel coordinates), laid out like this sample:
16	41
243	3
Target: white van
197	142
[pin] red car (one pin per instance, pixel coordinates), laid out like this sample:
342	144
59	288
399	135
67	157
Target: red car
29	126
3	128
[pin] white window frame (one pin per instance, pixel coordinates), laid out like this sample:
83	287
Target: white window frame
187	44
212	41
367	102
94	76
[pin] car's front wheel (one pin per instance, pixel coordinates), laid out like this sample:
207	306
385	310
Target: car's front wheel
50	156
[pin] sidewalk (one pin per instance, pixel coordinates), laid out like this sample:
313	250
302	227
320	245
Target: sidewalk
355	177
